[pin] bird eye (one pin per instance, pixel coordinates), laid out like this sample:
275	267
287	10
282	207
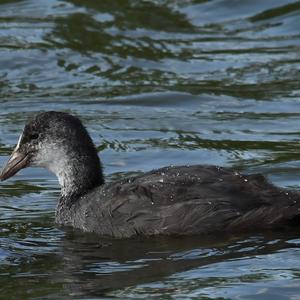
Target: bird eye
34	136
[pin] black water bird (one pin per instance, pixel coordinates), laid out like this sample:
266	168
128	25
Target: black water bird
180	200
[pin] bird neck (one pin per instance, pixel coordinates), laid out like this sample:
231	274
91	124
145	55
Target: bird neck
76	177
78	172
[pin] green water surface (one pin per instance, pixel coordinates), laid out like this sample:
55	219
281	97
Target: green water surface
156	83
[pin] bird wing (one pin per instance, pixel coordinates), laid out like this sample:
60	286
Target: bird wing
186	200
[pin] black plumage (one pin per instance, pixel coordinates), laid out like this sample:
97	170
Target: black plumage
180	200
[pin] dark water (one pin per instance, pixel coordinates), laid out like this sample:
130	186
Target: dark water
156	83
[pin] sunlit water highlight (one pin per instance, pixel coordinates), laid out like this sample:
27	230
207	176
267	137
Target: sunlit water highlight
156	83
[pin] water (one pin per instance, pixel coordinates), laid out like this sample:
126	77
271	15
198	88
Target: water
156	83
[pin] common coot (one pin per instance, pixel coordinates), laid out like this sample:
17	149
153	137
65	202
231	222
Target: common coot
175	200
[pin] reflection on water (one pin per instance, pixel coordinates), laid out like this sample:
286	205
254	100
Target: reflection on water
156	83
